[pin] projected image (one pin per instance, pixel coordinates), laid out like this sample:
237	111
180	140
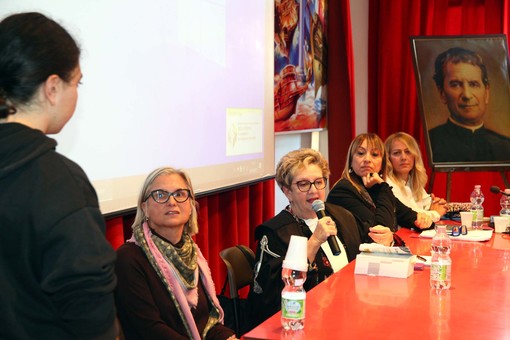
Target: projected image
300	77
244	131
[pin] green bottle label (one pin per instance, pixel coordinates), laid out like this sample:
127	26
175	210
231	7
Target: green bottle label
293	309
439	272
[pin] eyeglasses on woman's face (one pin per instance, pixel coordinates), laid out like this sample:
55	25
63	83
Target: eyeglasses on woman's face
304	185
162	196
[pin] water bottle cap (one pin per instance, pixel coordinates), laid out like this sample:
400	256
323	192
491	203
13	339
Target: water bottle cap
478	186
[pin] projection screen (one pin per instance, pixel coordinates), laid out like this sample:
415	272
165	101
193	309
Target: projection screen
184	83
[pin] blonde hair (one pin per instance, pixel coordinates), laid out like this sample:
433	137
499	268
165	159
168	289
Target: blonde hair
374	142
296	160
418	175
191	226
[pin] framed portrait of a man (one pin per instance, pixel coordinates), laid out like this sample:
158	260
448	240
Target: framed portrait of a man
464	94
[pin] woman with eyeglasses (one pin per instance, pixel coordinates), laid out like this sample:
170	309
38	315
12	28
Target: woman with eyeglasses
363	191
407	176
165	289
302	176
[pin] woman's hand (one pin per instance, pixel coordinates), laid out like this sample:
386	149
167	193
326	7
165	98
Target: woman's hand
381	234
325	228
423	221
371	179
438	204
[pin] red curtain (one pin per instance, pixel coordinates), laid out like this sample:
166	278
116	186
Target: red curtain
230	218
393	100
341	111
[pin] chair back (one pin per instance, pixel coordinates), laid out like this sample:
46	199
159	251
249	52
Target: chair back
239	261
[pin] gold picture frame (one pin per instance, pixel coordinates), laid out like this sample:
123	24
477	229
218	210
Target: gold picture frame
450	148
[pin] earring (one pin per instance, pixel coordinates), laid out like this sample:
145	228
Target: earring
350	170
146	219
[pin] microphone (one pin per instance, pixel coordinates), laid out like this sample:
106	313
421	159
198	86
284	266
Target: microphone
495	189
319	208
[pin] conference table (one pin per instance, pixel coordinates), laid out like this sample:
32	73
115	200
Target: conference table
353	306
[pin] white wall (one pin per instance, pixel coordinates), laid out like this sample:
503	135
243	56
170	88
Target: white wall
359	21
288	142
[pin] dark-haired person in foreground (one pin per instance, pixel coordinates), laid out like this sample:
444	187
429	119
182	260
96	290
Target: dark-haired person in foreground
165	288
463	83
302	176
57	276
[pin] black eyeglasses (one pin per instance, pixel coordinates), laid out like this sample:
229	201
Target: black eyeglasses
458	230
162	196
319	183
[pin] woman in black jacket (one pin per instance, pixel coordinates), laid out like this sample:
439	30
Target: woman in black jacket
363	191
302	175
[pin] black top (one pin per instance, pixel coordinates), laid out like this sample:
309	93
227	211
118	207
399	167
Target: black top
453	143
145	308
57	277
381	207
278	231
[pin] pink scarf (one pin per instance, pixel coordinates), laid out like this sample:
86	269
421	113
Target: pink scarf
185	298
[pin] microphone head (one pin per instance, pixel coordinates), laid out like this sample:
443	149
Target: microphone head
318	205
495	189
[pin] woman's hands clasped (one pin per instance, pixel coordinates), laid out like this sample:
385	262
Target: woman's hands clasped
423	221
381	234
438	204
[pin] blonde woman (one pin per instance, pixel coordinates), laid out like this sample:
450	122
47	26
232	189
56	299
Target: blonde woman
165	289
407	176
302	176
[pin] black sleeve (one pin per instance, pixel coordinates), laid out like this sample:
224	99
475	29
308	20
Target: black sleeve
385	212
78	273
405	215
349	229
345	194
269	278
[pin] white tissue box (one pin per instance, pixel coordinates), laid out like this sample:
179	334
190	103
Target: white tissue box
381	264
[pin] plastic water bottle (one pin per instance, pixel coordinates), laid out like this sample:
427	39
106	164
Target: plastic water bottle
441	263
505	205
477	199
294	269
293	299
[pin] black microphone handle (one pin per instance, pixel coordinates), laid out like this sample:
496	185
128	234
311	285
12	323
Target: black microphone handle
333	244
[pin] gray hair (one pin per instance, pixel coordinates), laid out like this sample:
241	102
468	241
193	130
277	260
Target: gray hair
192	225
